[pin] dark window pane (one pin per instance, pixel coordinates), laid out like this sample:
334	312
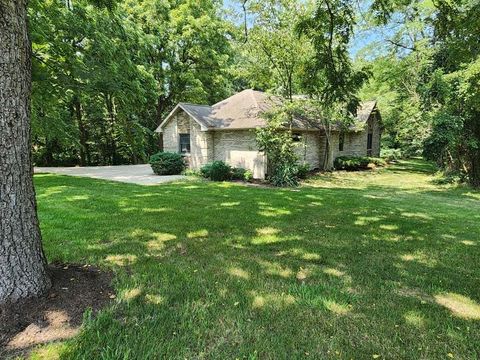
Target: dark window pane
184	143
369	141
341	141
296	137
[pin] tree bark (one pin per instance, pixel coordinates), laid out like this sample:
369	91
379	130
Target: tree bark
110	104
23	270
84	152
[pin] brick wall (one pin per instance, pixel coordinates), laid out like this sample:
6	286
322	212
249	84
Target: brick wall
200	141
239	148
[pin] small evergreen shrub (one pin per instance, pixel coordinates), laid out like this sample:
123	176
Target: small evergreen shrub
351	163
167	163
242	174
302	171
217	171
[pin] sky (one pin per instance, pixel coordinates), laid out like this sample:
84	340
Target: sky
362	37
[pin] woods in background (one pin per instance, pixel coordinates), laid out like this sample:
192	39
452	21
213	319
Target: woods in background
105	77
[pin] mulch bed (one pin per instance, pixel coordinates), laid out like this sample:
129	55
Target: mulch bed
58	315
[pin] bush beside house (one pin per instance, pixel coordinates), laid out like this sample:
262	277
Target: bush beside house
221	171
353	163
167	163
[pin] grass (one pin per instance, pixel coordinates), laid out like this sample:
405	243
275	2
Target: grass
350	265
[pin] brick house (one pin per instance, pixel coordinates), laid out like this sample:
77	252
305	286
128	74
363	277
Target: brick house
226	131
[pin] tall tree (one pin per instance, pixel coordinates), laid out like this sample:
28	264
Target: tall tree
272	57
450	82
397	73
22	262
332	81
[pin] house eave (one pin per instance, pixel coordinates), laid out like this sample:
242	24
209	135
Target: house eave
159	129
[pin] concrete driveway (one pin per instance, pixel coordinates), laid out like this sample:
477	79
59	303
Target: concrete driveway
135	174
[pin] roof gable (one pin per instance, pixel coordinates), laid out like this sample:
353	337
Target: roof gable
196	112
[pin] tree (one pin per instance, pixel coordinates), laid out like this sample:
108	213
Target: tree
23	270
332	81
449	82
399	60
273	56
275	141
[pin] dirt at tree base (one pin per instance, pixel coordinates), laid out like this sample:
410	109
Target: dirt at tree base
58	315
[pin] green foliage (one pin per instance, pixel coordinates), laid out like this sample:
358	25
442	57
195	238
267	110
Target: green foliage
271	56
284	175
391	154
395	86
105	76
217	171
351	163
242	174
167	163
191	172
377	161
302	171
275	141
177	248
331	74
445	87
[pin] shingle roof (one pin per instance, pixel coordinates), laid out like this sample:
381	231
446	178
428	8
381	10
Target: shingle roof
243	111
365	110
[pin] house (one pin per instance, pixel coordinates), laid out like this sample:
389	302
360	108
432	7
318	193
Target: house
225	131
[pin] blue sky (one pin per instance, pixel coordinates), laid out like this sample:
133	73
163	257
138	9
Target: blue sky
361	39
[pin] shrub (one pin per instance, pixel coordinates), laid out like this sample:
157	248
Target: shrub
242	174
351	163
217	171
285	175
191	172
276	143
302	171
167	163
377	161
248	176
391	154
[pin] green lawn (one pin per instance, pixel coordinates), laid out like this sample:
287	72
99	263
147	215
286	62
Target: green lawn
352	265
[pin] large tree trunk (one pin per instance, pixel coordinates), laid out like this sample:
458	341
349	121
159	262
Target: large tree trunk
22	262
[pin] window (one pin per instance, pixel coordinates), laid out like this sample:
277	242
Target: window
341	141
296	137
184	143
369	141
369	144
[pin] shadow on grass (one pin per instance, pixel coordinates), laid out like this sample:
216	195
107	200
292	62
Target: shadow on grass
222	270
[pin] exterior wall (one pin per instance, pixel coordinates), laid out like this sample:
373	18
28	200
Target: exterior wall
309	149
200	141
239	149
356	142
170	136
